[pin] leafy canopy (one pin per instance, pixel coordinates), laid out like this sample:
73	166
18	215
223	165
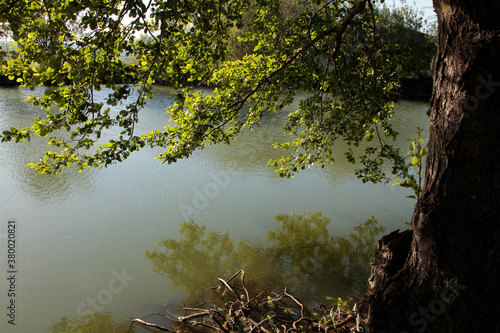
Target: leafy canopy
330	49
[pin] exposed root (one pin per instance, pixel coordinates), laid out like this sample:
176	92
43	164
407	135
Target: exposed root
237	309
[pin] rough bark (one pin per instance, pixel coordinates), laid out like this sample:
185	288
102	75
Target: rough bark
449	279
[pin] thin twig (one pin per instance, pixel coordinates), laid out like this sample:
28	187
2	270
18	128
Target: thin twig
243	284
261	322
301	319
197	323
296	302
215	320
194	315
229	287
234	275
255	298
142	322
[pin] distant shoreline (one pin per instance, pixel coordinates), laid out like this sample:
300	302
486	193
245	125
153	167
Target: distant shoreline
411	88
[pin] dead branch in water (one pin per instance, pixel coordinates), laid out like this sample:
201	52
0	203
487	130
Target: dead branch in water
239	310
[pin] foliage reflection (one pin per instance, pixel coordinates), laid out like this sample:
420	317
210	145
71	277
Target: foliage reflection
301	254
97	323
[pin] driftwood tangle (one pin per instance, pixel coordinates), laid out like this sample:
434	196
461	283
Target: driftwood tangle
238	309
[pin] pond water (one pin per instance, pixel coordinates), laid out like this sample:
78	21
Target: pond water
116	242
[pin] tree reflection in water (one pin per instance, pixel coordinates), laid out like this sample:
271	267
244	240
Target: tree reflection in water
97	322
301	254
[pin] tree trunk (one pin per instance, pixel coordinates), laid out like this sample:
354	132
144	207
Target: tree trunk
444	274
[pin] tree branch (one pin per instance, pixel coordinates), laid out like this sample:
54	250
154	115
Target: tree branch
142	322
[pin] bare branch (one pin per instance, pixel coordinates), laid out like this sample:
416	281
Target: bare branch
142	322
